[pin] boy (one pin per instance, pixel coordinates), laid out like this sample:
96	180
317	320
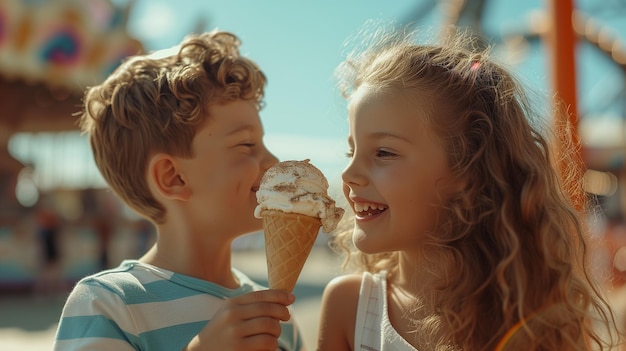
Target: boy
179	139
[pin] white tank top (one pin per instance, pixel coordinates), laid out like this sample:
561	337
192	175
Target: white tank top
373	330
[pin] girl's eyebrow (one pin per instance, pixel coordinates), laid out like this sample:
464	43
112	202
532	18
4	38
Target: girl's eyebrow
383	135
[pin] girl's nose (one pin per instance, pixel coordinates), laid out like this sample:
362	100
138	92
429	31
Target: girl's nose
353	175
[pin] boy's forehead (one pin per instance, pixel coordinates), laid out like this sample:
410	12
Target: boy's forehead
239	116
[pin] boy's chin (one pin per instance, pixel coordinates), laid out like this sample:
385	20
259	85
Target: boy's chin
255	226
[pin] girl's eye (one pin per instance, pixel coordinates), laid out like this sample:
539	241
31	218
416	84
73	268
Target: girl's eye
379	153
247	144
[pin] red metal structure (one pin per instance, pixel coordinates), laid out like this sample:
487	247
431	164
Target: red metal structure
561	41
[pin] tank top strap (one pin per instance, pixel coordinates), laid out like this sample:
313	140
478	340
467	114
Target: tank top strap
369	309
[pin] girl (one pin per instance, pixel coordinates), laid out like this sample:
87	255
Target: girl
463	234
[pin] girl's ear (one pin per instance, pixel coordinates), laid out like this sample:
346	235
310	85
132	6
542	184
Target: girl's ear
164	177
459	185
453	186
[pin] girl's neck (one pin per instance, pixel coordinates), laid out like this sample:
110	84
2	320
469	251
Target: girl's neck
416	279
412	303
412	274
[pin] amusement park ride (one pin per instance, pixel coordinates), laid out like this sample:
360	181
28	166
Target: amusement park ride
49	52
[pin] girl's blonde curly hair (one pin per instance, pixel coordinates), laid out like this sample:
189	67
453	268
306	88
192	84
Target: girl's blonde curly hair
510	247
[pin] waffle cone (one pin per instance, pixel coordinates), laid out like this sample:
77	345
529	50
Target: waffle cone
289	238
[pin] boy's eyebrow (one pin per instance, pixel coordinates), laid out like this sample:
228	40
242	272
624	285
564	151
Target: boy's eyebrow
241	129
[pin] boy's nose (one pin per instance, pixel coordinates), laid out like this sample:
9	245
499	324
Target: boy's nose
269	160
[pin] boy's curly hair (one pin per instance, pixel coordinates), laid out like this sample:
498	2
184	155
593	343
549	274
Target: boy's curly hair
510	247
154	104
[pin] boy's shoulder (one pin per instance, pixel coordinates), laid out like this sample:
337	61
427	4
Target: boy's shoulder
136	282
129	274
129	283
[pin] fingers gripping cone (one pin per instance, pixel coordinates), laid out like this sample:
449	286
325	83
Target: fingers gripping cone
289	238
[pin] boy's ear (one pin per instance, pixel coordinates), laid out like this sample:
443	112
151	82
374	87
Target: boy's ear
166	179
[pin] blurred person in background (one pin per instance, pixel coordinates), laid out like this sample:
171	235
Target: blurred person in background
49	280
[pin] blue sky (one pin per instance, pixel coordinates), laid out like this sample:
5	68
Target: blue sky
298	44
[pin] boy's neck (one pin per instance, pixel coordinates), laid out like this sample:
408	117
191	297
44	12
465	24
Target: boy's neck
196	258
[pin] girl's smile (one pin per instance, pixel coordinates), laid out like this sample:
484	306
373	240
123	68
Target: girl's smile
368	210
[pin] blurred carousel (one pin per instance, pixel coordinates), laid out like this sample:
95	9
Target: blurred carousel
50	51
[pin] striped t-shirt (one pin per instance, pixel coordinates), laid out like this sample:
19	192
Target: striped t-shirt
142	307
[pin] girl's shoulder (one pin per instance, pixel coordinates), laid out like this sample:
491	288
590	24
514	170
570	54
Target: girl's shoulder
349	283
338	313
342	292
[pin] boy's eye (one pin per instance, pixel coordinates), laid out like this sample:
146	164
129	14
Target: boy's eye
247	144
384	153
350	154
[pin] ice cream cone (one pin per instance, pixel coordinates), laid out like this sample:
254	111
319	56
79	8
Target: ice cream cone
289	238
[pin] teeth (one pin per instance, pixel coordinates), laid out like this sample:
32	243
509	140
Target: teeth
366	206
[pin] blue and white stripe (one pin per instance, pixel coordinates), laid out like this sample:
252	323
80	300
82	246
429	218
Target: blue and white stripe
141	307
